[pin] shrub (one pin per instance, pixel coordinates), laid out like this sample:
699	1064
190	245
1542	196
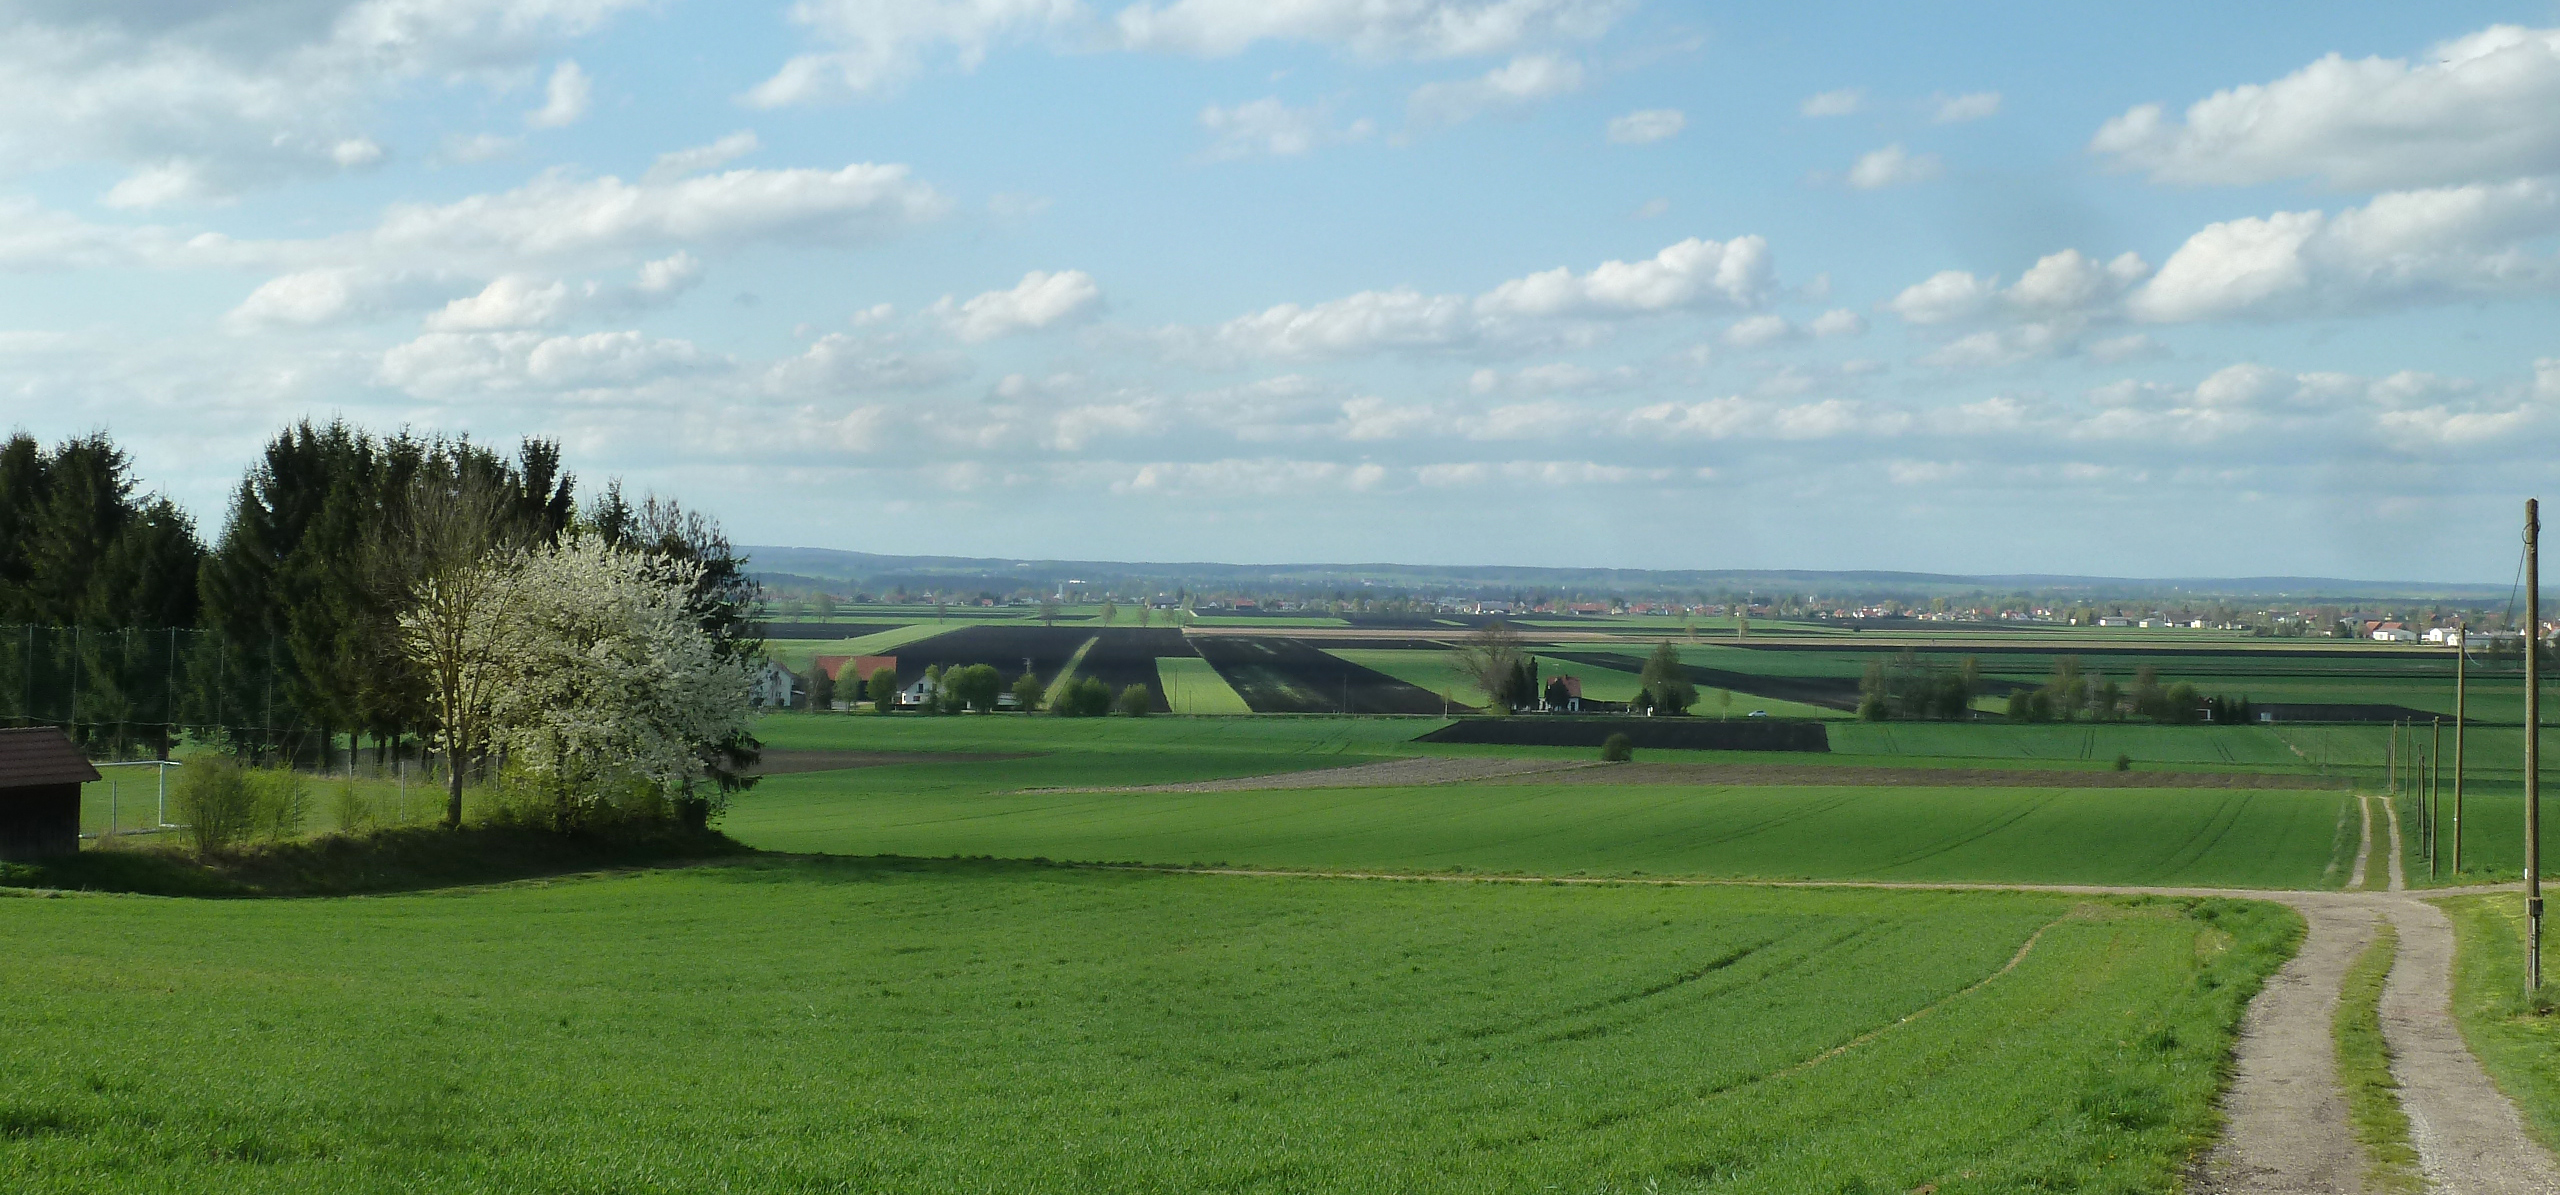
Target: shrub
1028	693
1136	701
348	808
2124	763
282	802
216	801
1617	749
1087	698
883	690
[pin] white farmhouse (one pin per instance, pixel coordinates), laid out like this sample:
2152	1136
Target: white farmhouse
2394	632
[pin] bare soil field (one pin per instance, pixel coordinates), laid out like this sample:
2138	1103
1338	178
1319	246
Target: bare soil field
1283	675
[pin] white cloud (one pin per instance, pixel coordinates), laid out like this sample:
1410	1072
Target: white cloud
696	159
2133	347
1654	208
1362	322
565	98
1844	102
1508	88
1838	322
462	364
839	364
1892	166
2481	108
561	217
313	298
478	147
1268	127
1754	331
2072	281
1736	274
1995	348
1040	300
1946	296
876	45
1374	29
521	301
1646	126
203	103
2403	246
1957	109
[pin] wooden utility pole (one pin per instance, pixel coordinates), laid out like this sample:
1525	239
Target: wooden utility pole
2435	794
2533	743
2461	662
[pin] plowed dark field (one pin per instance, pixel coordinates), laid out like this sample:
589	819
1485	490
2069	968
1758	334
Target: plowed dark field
1830	692
1286	676
1121	656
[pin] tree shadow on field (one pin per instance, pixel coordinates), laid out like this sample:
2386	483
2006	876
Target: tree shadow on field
775	868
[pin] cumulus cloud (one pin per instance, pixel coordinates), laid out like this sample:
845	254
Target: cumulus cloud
1509	88
1040	300
840	364
2401	247
1646	126
698	158
1844	102
1692	274
523	301
874	46
1944	297
1268	127
2065	283
458	364
202	104
1957	109
1892	166
1838	322
564	98
315	298
2480	108
1757	330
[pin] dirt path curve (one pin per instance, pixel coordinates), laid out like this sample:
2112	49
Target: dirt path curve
2285	1118
2469	1137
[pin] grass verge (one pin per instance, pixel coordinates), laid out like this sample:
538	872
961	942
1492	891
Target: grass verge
2364	1070
2512	1033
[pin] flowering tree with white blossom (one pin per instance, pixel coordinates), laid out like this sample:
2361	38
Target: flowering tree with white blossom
605	676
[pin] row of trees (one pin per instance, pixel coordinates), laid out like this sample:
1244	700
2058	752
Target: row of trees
1499	664
398	586
1910	687
2074	694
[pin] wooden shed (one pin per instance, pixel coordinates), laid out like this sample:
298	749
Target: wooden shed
41	771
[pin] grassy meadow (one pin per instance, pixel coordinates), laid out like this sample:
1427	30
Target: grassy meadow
842	1025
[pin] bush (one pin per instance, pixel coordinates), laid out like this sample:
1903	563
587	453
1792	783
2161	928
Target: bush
282	802
1028	693
216	801
883	690
2124	763
1087	698
1136	701
348	808
1617	749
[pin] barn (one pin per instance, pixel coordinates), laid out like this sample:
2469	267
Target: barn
41	772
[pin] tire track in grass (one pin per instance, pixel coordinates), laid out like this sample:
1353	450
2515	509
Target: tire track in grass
1926	1009
2364	1070
1964	840
2218	825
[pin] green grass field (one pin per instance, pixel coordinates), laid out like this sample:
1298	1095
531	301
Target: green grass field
1193	687
779	1025
2514	1035
2251	838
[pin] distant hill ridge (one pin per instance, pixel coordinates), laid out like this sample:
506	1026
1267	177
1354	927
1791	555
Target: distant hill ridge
788	565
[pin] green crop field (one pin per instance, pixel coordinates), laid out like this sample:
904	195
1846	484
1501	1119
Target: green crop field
1192	686
2514	1035
798	1025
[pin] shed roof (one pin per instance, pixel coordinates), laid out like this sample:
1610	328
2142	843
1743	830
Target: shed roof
41	755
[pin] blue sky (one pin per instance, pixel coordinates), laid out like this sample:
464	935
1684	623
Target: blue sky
2151	290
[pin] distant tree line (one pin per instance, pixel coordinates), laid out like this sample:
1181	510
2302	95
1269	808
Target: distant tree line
2073	694
1910	687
